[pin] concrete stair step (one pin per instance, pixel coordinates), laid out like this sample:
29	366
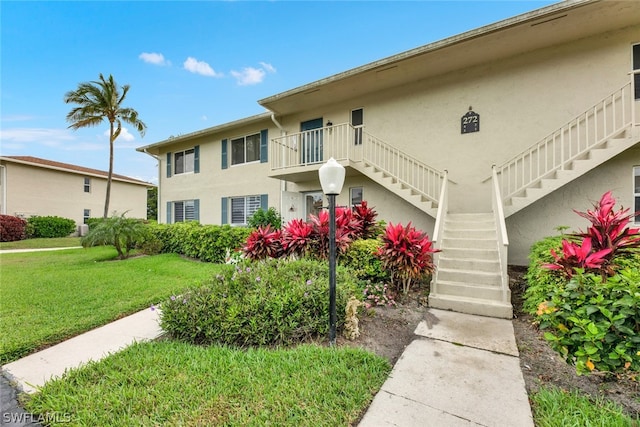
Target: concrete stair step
481	307
469	253
453	242
484	265
470	233
472	277
459	289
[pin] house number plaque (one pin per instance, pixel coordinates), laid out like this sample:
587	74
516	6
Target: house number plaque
470	122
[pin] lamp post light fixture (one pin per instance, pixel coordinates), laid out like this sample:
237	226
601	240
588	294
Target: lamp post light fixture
331	179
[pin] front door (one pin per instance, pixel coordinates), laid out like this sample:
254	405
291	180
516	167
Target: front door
311	141
313	203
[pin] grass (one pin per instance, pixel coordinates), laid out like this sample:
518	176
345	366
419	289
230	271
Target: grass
60	242
47	297
172	383
556	407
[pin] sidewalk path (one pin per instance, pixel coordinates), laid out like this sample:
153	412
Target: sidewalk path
34	370
462	370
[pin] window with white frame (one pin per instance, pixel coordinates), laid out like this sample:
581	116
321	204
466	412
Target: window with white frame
636	192
184	161
87	185
86	215
245	149
242	208
636	67
355	194
184	210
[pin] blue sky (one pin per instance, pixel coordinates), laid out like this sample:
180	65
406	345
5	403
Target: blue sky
194	64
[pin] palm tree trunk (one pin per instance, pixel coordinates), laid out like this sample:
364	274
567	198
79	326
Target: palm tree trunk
108	195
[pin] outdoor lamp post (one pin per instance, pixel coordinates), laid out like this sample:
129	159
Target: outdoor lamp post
331	179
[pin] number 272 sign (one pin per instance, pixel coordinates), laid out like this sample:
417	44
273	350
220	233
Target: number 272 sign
470	122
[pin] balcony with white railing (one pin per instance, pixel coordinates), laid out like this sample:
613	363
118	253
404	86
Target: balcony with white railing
298	156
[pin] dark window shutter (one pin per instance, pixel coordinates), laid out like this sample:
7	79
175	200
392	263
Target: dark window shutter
225	210
168	165
224	154
169	204
264	201
196	159
264	146
196	209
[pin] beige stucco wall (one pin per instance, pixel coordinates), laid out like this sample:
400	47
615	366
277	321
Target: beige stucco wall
213	183
46	192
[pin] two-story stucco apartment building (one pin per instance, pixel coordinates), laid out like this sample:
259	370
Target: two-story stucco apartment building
486	140
32	186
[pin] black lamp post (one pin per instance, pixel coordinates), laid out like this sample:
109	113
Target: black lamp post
332	178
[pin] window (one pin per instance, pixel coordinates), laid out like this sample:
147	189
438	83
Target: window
86	215
184	161
245	149
636	191
87	185
184	211
357	121
356	195
243	207
636	67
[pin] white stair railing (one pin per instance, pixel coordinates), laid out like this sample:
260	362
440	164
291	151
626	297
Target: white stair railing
438	229
501	232
606	119
405	168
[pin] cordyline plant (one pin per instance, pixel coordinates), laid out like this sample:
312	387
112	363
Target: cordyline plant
407	253
346	226
367	220
608	236
264	243
297	236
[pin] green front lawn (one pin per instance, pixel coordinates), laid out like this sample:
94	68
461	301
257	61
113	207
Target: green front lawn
57	242
47	297
171	383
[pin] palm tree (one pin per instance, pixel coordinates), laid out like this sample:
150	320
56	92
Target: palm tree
99	100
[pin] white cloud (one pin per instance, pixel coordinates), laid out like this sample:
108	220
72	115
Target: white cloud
200	67
42	135
154	58
17	118
268	67
249	76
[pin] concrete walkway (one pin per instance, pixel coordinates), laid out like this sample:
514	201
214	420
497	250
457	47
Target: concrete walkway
461	370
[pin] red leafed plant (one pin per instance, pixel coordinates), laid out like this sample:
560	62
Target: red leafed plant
577	256
344	232
263	243
367	220
297	236
608	236
407	253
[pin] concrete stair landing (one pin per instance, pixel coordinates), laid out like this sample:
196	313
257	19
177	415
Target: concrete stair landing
468	277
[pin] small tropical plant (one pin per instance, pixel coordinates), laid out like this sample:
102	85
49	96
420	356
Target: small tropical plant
264	243
297	236
121	232
577	256
346	225
366	218
407	253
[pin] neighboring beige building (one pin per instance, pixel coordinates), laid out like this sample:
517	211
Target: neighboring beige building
549	98
32	186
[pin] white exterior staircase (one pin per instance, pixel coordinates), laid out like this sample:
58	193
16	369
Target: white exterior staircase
469	276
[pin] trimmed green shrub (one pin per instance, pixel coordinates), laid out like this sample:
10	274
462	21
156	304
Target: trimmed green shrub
262	218
207	243
361	258
541	281
272	302
50	226
595	324
12	228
